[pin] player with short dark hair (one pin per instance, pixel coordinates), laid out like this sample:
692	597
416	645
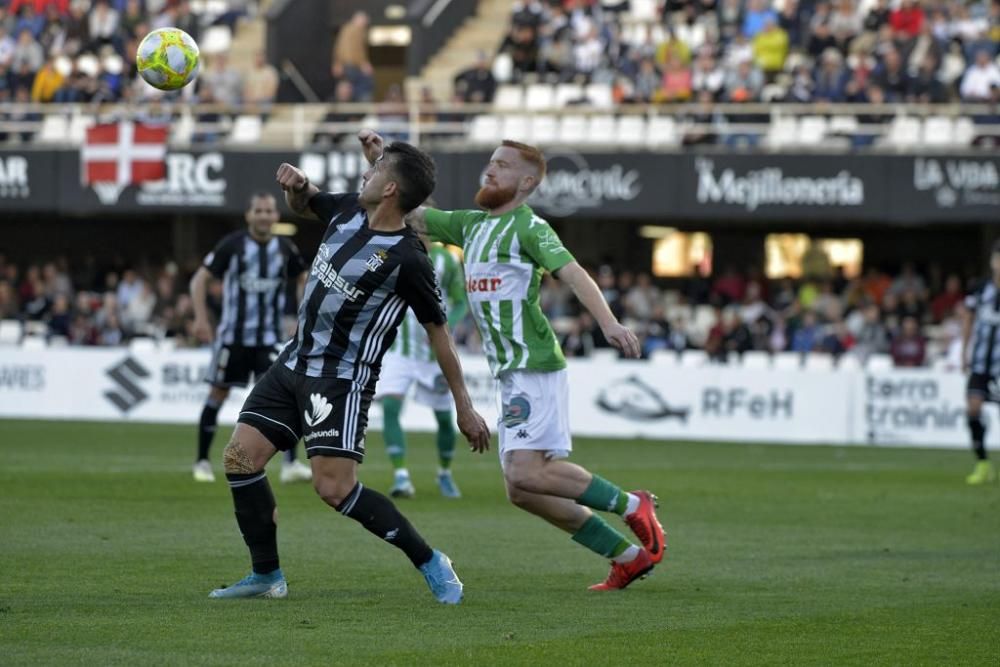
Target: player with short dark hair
507	248
255	267
981	359
369	268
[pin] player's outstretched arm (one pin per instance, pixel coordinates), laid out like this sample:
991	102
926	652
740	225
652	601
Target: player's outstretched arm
590	296
470	423
298	190
199	302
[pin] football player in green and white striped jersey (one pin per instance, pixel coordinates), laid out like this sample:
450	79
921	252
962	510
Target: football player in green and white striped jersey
410	362
507	248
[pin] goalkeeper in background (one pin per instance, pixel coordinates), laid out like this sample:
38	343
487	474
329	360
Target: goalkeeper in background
409	362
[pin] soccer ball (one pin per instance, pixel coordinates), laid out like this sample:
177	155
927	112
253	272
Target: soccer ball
168	59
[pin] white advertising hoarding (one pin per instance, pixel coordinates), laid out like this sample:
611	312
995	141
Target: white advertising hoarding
608	398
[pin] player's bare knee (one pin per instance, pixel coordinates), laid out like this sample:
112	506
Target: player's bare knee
332	490
518	497
522	478
236	460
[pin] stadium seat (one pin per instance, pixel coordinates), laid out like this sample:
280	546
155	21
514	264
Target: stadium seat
515	127
848	362
539	97
938	131
58	341
509	98
692	358
665	357
182	128
77	129
879	362
55	129
904	132
246	129
485	129
33	343
601	130
216	39
142	344
566	93
812	130
543	129
756	359
10	332
964	131
632	131
600	95
844	126
662	131
783	131
644	10
818	361
604	354
572	129
787	361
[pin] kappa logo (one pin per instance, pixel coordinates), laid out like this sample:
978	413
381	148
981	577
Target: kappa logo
522	435
516	412
127	393
377	259
321	409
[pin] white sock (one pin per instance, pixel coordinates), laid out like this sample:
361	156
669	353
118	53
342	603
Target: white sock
633	504
402	473
444	471
628	555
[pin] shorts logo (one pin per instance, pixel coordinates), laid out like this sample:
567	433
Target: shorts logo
321	409
522	435
516	412
440	385
331	433
377	259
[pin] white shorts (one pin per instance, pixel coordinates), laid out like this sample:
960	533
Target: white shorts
399	373
535	412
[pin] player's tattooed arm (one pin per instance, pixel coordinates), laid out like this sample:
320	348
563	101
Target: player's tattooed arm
470	423
589	294
298	189
968	315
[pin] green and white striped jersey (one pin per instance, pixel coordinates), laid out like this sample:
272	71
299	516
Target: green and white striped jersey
411	339
505	257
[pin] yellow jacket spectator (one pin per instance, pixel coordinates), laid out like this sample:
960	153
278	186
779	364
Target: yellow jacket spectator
770	47
672	46
47	81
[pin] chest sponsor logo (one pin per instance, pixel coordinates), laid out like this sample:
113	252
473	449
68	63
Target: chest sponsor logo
324	272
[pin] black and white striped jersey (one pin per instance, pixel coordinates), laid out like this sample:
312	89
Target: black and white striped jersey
985	306
254	278
359	288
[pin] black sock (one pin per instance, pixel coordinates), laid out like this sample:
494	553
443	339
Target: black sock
206	427
255	515
377	513
978	431
290	454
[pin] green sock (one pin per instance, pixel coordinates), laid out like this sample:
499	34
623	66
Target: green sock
395	441
598	536
604	496
445	438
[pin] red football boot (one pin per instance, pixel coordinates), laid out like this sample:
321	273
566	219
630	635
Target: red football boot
646	526
623	574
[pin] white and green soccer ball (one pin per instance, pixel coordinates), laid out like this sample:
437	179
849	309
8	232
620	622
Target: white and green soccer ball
168	59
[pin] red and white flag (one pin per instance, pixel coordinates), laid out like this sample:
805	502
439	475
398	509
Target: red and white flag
124	153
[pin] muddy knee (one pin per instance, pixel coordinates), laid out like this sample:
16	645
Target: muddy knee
236	460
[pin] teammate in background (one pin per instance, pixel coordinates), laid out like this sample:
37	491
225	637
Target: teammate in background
507	248
368	269
255	267
981	359
410	361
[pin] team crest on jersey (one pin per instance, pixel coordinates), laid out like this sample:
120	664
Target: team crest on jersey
516	412
377	259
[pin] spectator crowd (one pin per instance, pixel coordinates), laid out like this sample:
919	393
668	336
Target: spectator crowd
83	51
912	318
741	51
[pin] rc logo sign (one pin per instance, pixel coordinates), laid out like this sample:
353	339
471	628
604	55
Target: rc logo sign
127	393
632	398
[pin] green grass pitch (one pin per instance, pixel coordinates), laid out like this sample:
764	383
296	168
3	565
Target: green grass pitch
778	556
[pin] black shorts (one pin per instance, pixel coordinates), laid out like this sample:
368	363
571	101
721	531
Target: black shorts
330	415
985	386
235	365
